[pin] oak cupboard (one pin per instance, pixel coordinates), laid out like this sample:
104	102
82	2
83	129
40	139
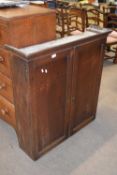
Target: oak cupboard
56	86
20	27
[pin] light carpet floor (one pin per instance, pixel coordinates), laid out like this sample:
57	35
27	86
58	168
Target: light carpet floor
91	151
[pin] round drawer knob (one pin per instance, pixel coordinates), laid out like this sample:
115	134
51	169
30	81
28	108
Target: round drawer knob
4	111
1	59
2	86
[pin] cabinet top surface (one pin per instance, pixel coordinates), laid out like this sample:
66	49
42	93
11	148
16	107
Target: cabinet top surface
32	50
17	12
55	43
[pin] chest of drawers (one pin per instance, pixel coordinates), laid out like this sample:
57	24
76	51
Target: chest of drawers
20	27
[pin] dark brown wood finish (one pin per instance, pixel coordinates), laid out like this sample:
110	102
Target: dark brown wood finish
51	96
86	67
20	27
59	93
50	92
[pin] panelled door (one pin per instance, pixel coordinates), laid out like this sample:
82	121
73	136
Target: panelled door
51	94
85	84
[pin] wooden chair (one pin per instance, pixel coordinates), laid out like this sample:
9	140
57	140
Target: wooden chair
95	16
109	20
109	9
70	20
62	19
80	21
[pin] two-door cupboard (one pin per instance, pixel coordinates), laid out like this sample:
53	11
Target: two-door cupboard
60	83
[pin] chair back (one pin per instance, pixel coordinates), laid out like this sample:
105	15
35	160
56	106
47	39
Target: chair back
111	17
95	17
80	17
71	19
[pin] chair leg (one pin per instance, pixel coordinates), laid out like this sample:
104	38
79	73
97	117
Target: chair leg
115	60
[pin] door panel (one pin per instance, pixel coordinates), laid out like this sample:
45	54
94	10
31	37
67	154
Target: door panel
85	88
50	94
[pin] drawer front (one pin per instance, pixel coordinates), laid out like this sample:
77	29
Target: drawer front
6	89
5	62
7	111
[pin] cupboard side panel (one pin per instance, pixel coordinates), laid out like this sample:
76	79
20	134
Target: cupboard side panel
22	103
